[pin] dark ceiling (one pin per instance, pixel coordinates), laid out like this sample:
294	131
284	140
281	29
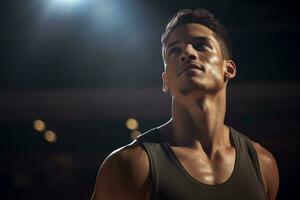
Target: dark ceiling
116	43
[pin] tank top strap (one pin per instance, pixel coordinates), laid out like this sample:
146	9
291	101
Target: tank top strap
151	142
247	148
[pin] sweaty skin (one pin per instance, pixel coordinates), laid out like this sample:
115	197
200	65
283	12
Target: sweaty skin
196	75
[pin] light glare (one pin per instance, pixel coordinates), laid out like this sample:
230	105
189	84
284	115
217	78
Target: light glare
60	6
65	1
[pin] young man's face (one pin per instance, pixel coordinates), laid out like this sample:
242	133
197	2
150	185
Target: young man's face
194	61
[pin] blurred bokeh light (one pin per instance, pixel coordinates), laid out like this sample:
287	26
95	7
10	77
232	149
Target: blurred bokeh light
50	136
132	124
39	125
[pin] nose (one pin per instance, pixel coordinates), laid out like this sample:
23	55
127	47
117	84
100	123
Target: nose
189	53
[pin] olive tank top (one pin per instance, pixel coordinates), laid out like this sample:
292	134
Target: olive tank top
170	181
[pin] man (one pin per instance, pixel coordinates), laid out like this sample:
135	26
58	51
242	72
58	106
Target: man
194	155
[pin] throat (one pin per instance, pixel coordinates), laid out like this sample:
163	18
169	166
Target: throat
200	120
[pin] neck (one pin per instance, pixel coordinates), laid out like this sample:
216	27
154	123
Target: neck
200	123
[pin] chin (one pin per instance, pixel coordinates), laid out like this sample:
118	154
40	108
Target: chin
200	87
192	88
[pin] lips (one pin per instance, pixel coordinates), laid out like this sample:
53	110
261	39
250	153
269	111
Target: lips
190	66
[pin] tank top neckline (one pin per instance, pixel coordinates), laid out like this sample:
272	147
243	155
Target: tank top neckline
189	176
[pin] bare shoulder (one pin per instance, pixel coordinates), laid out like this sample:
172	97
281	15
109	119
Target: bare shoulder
269	169
124	174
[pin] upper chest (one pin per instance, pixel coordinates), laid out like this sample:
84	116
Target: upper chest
209	170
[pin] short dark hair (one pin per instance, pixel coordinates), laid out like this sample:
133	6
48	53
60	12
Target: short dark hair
203	17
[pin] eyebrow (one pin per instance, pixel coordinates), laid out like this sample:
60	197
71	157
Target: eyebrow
202	38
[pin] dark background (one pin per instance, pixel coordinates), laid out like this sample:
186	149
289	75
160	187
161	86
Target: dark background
84	67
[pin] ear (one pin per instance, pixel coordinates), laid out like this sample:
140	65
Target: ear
229	70
165	82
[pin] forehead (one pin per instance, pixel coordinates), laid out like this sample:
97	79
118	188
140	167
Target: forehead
189	31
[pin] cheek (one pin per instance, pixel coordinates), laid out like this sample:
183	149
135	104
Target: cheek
172	67
170	70
214	66
173	64
213	60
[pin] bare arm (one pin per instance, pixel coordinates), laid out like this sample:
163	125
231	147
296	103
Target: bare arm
124	175
269	171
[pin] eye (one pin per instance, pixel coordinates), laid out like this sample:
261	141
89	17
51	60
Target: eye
201	46
174	50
